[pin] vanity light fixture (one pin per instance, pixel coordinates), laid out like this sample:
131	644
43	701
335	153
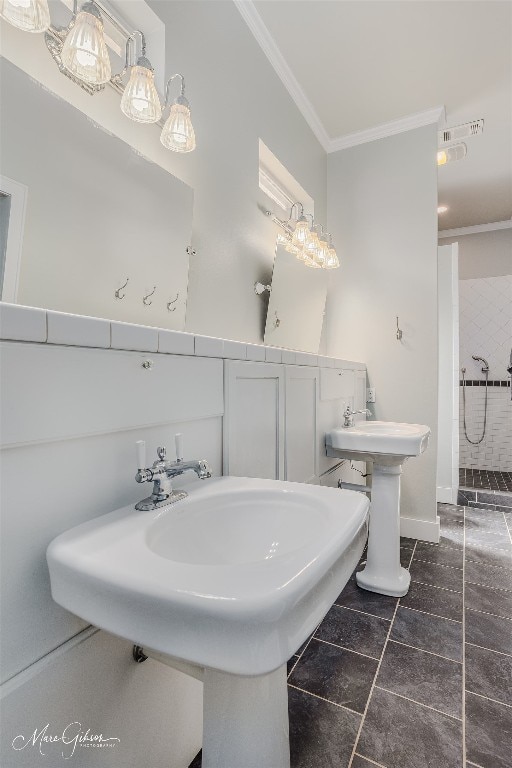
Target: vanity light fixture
301	232
140	101
318	251
442	208
28	15
80	52
84	51
178	131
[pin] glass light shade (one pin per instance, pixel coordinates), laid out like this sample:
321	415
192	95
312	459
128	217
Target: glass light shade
178	131
28	15
442	159
84	51
301	233
311	248
140	101
322	251
332	261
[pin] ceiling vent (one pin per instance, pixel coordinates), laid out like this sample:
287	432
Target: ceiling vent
474	128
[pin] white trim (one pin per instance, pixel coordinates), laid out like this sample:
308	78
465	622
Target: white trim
38	666
446	495
393	127
425	530
18	195
271	50
461	231
269	47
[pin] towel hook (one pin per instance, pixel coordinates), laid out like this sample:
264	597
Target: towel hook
117	293
399	333
145	298
170	308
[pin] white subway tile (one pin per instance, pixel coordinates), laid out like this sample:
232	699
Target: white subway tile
289	357
175	342
273	354
22	323
235	350
78	330
255	352
135	337
209	346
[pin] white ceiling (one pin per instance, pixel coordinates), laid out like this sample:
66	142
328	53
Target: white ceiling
352	65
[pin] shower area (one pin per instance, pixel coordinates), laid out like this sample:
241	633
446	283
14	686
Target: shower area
485	405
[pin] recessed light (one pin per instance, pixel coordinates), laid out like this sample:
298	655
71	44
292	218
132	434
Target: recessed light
442	208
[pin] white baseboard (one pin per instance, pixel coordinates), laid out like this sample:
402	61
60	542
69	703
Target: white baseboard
446	495
426	530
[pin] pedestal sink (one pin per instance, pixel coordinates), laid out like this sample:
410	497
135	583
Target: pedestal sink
232	580
388	445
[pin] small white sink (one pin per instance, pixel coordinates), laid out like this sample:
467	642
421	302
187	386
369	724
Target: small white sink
234	577
385	442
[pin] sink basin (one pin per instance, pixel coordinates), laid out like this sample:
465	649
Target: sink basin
229	582
379	441
234	577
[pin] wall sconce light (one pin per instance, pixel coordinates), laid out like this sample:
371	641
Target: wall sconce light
81	53
140	101
28	15
311	245
84	51
178	131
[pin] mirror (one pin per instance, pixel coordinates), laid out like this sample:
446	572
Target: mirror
81	222
296	306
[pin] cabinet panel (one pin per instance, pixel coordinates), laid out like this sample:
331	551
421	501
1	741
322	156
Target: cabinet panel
254	420
301	444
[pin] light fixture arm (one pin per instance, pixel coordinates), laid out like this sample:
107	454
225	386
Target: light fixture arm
182	92
301	213
131	39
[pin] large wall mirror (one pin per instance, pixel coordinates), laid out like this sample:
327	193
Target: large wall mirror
296	305
81	212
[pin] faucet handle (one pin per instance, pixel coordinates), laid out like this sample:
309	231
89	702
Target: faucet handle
140	445
178	440
162	453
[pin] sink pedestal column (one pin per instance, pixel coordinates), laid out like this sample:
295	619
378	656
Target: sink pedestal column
383	572
245	720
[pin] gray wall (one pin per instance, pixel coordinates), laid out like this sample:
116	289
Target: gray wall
236	99
483	254
382	213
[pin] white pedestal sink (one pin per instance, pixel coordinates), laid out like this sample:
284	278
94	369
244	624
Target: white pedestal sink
388	445
231	580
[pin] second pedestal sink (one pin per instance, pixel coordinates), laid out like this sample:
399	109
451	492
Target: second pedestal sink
232	579
388	445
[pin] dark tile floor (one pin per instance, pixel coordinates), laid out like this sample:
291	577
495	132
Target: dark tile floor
485	479
424	681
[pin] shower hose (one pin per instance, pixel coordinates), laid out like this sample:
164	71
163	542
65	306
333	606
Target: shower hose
473	442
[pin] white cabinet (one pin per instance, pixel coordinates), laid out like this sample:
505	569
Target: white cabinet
301	433
254	420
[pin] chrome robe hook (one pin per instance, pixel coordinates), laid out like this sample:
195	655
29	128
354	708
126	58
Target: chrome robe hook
146	297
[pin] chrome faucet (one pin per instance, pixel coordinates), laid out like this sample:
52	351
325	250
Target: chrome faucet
162	473
348	415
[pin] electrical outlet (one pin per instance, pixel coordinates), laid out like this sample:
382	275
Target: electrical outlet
370	395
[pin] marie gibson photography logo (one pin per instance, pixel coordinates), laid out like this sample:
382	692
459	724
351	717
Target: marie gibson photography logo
72	738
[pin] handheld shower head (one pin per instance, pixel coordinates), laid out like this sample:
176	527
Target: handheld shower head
485	368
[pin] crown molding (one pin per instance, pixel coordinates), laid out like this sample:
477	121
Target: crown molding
392	128
270	49
461	231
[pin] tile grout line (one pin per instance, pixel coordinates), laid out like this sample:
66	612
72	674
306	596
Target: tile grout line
445	589
322	698
427	613
486	586
488	613
369	760
358	735
373	615
492	650
423	650
299	657
488	698
464	643
419	703
344	648
440	565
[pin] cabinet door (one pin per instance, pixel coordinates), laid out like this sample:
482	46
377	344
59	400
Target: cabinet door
254	420
301	451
